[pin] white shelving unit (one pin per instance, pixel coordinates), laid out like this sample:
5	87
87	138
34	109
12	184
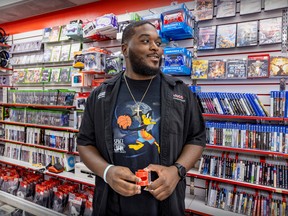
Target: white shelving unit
198	205
26	205
63	175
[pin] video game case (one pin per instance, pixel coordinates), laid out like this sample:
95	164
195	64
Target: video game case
46	34
247	34
278	66
270	31
226	36
206	38
55	33
204	9
258	66
216	69
226	8
250	6
199	69
63	33
236	69
212	198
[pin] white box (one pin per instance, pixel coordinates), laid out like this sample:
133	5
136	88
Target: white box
82	80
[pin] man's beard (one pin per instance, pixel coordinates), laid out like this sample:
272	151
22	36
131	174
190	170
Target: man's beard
140	68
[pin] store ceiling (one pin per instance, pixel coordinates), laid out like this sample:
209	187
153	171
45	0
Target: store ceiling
12	10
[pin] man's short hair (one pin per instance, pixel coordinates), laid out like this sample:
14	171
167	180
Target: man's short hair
129	31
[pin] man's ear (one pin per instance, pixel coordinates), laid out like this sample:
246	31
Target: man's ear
124	48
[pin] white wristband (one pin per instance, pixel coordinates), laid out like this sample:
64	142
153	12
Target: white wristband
105	171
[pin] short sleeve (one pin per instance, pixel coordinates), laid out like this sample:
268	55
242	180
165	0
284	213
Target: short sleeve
196	126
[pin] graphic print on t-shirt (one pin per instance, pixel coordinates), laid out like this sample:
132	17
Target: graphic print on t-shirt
134	131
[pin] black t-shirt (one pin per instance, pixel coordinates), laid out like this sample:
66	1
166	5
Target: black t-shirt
136	138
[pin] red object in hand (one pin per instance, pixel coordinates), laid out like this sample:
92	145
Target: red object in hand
144	176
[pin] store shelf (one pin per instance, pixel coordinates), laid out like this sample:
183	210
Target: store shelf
68	129
4	45
18	163
262	118
48	64
64	175
4	68
71	176
27	51
246	150
26	205
198	207
38	146
92	72
196	174
37	106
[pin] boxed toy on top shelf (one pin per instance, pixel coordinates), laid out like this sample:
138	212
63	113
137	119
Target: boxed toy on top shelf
177	22
102	28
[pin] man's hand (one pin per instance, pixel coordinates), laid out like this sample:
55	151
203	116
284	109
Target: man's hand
166	183
123	181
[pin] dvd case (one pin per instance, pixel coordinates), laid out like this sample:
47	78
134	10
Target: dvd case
63	33
247	34
216	69
55	55
236	68
206	39
65	74
29	78
74	48
55	33
200	69
226	8
46	72
46	34
258	66
204	10
272	4
278	66
226	36
250	6
55	74
270	31
65	51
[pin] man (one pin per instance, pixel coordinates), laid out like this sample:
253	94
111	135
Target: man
141	119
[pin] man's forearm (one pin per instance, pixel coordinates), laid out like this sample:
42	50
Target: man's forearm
189	156
92	159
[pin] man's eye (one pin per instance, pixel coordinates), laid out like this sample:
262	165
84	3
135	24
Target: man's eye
145	41
158	44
